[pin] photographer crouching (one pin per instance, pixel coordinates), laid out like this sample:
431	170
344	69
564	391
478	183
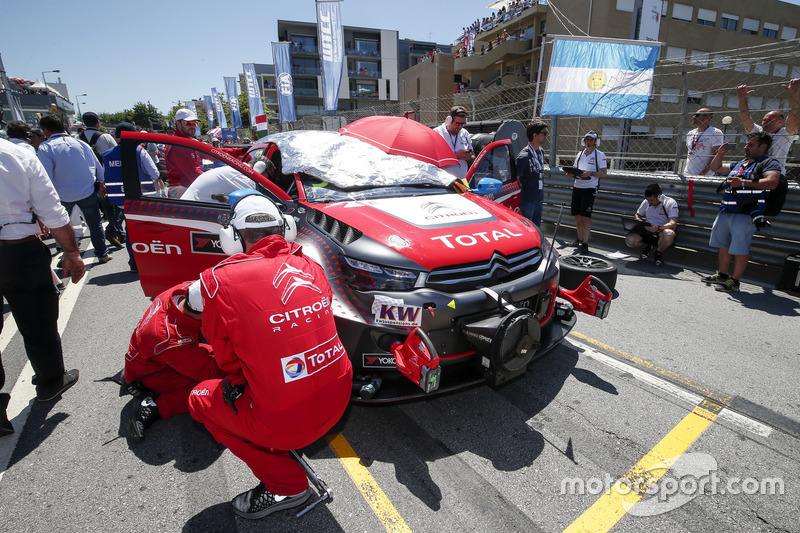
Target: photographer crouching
741	211
658	217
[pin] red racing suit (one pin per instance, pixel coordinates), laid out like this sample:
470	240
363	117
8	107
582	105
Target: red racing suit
269	319
166	356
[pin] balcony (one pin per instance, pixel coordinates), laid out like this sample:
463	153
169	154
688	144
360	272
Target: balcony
511	48
306	71
364	94
352	52
363	74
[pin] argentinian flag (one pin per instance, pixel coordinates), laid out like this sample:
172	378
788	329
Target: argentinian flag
592	77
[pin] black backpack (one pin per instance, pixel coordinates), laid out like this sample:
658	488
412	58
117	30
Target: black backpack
777	196
92	143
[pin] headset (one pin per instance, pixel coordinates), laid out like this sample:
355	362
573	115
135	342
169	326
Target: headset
454	112
231	239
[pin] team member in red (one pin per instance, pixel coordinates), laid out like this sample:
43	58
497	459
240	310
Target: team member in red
166	357
183	164
268	316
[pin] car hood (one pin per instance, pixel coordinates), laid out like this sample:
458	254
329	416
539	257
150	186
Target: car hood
437	230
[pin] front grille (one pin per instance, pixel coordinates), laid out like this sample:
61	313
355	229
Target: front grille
340	231
498	269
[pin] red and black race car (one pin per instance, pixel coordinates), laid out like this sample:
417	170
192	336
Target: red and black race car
434	289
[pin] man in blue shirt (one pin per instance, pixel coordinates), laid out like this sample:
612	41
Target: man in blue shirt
74	169
530	165
743	203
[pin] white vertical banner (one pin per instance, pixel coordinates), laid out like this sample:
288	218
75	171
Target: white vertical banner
650	20
283	75
331	50
221	120
253	91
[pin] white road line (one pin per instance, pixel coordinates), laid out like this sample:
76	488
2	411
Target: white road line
693	399
24	393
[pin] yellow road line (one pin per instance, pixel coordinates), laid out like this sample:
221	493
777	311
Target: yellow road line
367	485
668	374
615	503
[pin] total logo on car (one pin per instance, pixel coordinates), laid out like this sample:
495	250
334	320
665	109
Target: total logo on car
434	289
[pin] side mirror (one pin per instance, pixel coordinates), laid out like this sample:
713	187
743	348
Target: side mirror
488	186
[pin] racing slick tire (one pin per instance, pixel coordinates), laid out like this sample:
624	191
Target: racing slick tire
575	269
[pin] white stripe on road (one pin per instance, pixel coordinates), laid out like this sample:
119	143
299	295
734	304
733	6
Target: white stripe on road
24	393
693	399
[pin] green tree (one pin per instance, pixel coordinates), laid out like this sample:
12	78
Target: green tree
146	116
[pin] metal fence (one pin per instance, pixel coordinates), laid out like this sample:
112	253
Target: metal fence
681	86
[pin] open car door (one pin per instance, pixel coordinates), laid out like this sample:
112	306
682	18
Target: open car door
496	161
174	231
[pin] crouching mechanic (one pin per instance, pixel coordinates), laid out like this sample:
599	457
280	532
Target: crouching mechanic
661	215
267	313
165	358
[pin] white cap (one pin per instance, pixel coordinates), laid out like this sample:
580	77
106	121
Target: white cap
194	297
590	134
252	205
185	114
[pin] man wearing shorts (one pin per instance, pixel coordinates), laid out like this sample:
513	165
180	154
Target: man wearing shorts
744	200
593	162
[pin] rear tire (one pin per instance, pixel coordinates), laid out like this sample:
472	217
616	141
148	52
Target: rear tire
576	268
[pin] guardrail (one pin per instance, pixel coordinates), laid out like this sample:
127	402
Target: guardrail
621	193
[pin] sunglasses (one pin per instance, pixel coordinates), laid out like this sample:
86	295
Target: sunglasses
458	123
192	122
702	114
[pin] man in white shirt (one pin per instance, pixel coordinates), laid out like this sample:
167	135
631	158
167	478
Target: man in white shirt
660	215
702	143
593	162
773	121
452	130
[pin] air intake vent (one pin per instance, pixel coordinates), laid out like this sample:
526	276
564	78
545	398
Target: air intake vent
340	231
498	269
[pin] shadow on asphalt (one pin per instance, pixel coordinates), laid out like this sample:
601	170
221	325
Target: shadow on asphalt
769	301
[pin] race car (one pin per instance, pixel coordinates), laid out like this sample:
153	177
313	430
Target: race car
434	289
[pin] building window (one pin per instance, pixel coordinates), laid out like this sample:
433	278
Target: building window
755	103
750	26
640	132
770	30
762	67
795	72
625	5
675	54
788	33
715	99
773	103
722	62
699	59
543	27
364	47
742	65
303	44
706	17
682	12
694	98
780	70
729	22
611	132
664	133
670	96
305	87
733	101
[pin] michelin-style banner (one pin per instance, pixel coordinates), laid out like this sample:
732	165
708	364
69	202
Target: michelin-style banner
592	77
233	102
331	50
283	77
209	111
193	108
223	122
253	91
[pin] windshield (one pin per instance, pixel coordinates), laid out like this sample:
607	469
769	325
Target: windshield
335	167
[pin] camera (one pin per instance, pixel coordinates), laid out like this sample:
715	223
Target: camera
750	206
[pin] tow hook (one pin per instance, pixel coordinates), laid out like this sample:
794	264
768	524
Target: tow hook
416	359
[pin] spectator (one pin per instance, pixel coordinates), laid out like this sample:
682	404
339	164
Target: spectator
593	162
772	123
112	165
165	358
702	143
26	280
37	138
452	130
742	208
269	295
74	170
660	212
183	164
100	142
530	172
19	133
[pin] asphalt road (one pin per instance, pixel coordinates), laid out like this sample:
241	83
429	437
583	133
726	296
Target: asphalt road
676	371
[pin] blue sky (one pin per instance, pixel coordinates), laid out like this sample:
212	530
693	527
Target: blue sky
120	53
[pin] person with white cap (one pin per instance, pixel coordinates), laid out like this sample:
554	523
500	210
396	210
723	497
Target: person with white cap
267	312
183	165
165	358
594	165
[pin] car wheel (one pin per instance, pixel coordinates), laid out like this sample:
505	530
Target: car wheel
575	269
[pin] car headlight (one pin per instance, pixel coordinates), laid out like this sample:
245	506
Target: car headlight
370	277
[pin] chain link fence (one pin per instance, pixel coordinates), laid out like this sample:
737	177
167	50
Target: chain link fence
682	84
